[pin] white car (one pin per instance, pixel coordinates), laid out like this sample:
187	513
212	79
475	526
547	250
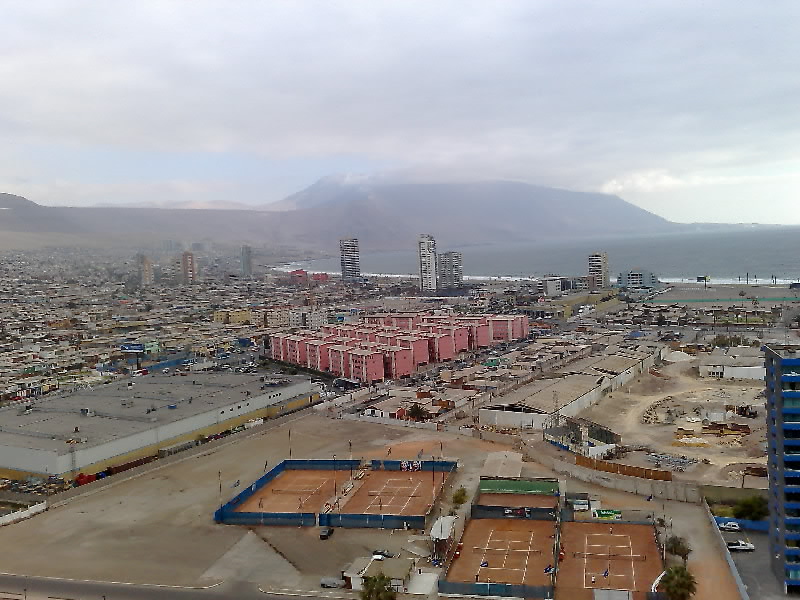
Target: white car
730	526
741	546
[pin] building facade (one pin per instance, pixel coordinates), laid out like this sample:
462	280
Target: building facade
188	268
782	365
598	268
146	276
451	273
638	279
428	263
350	259
247	261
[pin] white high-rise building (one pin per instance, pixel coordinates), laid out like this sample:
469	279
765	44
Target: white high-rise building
351	259
451	274
598	268
428	267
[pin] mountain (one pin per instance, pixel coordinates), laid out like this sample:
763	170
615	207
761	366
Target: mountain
383	214
386	215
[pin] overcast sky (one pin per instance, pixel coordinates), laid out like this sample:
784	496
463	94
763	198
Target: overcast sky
688	109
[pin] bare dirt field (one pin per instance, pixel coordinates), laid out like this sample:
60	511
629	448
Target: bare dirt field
505	551
649	412
158	527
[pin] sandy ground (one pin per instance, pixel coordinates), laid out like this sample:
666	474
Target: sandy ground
682	392
158	528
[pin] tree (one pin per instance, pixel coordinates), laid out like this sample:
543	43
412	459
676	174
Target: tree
662	320
418	413
460	496
753	508
678	546
378	587
679	583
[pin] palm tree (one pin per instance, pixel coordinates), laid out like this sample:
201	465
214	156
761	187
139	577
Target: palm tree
378	587
418	413
679	547
679	583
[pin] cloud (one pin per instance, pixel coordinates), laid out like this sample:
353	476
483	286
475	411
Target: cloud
582	95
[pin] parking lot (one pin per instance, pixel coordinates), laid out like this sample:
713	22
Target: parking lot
755	569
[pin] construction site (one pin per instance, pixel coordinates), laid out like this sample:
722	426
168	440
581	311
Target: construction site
696	428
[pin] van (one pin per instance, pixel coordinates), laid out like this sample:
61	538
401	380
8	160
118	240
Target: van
325	532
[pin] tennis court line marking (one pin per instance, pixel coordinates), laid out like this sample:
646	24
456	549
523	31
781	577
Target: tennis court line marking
608	547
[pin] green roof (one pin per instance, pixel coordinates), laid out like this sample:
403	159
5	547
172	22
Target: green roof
518	486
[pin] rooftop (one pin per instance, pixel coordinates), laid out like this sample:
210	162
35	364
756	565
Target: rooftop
121	410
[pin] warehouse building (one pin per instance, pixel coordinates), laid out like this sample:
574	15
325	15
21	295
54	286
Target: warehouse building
90	430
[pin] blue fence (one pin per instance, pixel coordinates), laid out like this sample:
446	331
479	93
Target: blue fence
495	589
376	521
227	514
745	523
251	518
440	466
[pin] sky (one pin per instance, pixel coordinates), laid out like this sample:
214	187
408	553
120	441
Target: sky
687	109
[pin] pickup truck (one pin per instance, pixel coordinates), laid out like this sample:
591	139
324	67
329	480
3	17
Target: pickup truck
741	546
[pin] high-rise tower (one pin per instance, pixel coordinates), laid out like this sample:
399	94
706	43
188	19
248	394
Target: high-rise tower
598	268
351	259
247	261
451	274
428	267
188	268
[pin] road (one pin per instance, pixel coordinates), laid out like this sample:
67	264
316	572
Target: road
18	587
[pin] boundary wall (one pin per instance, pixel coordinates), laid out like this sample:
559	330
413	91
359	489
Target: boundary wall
480	511
440	466
20	515
495	589
727	554
631	471
666	490
377	521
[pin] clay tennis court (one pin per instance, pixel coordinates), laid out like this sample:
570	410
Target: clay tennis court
296	491
406	493
518	500
618	556
515	551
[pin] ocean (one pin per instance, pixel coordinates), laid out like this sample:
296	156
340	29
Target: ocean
725	256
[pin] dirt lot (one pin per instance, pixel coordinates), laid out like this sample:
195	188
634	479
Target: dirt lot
679	399
158	527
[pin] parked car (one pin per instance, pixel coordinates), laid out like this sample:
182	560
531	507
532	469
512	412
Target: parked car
741	546
325	532
383	553
730	526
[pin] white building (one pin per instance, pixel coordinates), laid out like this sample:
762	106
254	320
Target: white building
638	279
428	267
598	268
307	317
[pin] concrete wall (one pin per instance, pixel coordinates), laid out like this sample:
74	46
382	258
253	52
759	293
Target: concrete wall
726	553
667	490
19	515
386	421
520	420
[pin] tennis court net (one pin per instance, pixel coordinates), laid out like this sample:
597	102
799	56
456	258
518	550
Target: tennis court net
478	549
404	492
297	492
610	556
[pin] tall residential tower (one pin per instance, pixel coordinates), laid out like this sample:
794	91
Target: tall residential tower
351	259
188	268
451	274
783	461
598	268
428	267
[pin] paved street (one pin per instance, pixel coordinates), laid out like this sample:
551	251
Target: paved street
17	587
755	570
